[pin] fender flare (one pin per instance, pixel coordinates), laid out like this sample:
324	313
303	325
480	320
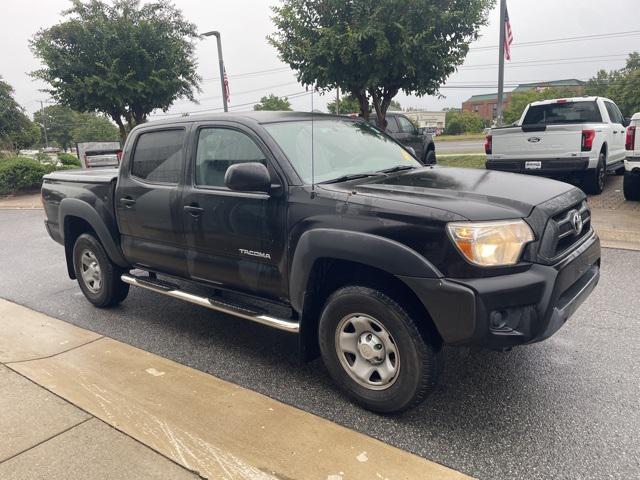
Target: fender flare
73	207
371	250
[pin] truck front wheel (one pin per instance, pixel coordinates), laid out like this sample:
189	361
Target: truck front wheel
98	276
374	351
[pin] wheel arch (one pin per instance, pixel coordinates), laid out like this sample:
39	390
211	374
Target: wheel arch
326	260
78	217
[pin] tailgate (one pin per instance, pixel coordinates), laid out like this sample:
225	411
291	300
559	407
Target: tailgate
539	142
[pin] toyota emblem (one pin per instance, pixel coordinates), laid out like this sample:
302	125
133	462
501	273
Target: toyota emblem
576	222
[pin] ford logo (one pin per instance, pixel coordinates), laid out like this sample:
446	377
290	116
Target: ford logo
534	140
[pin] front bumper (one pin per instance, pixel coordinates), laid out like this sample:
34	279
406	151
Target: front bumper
508	310
548	166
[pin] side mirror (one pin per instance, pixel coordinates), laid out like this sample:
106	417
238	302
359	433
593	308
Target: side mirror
248	177
422	131
411	151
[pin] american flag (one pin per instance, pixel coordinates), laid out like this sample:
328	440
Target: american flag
508	35
226	85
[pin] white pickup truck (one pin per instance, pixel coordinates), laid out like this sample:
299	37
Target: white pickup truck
632	162
580	138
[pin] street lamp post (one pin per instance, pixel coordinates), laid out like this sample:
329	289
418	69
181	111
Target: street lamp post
221	63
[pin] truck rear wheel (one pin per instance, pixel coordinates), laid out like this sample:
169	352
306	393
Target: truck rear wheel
374	351
594	179
97	275
631	187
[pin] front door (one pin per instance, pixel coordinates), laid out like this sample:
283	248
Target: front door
410	137
148	201
236	240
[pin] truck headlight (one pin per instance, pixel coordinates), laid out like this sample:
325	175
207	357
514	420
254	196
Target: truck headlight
491	244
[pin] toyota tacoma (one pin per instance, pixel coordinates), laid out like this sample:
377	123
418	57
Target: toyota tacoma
326	228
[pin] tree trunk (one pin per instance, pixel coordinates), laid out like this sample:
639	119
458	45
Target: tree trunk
381	102
118	119
364	104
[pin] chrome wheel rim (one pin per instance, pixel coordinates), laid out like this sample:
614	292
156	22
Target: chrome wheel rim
91	272
367	351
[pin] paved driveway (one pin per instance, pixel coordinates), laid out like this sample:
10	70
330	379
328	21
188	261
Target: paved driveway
566	408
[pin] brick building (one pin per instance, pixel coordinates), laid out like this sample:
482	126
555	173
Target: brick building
487	105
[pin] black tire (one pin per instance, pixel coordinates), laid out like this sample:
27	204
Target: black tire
594	179
416	358
430	157
631	187
110	290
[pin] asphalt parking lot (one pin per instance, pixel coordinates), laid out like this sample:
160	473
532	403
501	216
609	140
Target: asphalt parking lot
565	408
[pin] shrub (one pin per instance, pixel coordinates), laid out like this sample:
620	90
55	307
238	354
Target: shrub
42	157
68	159
18	173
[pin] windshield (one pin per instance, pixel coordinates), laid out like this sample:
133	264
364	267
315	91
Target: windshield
568	112
341	148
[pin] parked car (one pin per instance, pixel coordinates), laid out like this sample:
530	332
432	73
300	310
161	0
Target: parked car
580	138
373	259
420	140
632	162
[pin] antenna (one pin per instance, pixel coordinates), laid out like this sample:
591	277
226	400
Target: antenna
313	172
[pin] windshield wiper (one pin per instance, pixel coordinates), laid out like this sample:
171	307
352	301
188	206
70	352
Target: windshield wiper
353	176
398	168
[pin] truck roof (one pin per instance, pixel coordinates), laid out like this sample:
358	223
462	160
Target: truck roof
243	117
568	99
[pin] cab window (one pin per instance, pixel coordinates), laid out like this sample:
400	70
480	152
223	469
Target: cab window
157	157
406	126
218	149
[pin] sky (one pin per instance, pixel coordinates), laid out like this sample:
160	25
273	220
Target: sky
254	68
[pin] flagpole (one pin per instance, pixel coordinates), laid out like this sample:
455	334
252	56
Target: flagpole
503	9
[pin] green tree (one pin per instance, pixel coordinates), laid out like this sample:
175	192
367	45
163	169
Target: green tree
273	103
458	123
122	58
66	127
374	49
395	105
519	100
16	130
95	128
348	104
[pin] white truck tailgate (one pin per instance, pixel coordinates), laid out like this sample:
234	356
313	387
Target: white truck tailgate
554	141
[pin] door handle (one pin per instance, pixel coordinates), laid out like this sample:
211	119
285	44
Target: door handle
127	201
615	132
194	210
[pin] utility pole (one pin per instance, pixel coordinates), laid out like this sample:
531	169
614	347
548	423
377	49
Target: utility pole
44	124
337	100
225	100
503	9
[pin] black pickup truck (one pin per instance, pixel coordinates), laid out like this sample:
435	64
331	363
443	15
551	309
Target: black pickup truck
376	260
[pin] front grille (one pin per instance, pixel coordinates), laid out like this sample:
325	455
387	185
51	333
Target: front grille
560	235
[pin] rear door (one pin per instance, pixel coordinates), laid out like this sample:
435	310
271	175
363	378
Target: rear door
235	239
147	201
617	149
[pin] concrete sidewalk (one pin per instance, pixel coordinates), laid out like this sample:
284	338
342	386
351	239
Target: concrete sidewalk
28	201
109	410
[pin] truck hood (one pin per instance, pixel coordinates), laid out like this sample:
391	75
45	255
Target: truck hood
471	193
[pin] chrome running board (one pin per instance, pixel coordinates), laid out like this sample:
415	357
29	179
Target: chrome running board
169	290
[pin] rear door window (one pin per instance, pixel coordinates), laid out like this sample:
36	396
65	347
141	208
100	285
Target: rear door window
406	126
158	156
614	114
558	113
